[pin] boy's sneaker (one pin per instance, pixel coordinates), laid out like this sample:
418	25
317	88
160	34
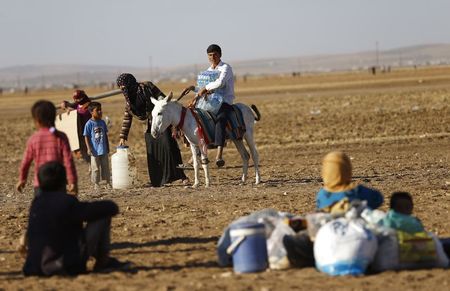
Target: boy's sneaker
112	265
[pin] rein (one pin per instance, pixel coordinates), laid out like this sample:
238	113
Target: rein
183	115
179	127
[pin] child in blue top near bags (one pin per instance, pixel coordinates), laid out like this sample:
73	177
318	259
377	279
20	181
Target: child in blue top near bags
96	138
400	216
338	185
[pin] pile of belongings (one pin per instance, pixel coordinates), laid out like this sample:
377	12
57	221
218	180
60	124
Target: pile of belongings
350	241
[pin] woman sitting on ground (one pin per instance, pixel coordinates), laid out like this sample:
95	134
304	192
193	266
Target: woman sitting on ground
338	186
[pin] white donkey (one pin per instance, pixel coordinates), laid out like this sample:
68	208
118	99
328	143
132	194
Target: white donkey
167	112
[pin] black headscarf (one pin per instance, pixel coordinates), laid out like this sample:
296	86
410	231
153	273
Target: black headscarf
137	96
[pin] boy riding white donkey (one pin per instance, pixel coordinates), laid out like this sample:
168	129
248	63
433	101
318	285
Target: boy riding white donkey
215	89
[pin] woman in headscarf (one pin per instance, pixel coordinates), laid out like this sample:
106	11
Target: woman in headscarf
338	185
163	154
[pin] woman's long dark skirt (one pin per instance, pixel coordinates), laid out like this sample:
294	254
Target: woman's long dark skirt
163	157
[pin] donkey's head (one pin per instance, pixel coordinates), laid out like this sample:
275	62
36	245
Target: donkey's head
162	115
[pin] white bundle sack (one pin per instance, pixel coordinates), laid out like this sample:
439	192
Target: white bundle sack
344	247
276	251
388	255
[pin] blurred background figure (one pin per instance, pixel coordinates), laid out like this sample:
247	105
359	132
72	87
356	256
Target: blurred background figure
80	103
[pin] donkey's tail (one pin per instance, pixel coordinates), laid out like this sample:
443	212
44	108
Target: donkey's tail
256	114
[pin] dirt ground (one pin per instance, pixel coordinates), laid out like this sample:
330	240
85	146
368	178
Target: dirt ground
395	127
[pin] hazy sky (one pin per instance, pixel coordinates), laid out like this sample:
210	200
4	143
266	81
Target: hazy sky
127	32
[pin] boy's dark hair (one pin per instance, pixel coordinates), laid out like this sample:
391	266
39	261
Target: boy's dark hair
44	112
214	48
396	196
52	176
93	105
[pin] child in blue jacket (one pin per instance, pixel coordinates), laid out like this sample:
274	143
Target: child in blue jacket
338	185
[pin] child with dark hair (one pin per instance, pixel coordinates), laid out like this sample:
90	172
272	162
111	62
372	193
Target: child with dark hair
57	242
96	138
46	144
401	202
400	216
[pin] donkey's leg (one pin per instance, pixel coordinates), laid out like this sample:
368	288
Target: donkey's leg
207	177
204	161
255	156
245	157
195	160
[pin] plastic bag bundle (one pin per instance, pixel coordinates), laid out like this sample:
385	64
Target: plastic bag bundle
213	101
399	250
315	221
269	217
276	251
206	77
344	247
373	217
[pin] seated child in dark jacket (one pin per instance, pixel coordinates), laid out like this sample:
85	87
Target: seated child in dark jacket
338	185
57	242
400	216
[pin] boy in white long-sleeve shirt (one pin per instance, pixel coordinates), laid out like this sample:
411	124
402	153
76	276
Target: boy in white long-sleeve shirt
224	83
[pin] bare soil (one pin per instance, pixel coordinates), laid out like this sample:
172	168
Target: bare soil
395	127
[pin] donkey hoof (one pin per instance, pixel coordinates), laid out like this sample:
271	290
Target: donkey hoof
220	163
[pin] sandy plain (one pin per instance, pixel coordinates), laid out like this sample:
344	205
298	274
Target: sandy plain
395	127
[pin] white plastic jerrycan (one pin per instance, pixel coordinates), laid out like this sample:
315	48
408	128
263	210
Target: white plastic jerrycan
122	174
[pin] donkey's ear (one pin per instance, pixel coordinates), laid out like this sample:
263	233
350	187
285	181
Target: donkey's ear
153	100
169	97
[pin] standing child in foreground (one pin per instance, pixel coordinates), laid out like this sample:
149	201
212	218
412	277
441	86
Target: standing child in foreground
45	145
96	138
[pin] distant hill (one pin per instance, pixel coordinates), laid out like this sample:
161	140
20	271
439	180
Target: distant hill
67	75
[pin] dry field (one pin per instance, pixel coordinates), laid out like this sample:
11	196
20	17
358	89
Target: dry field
395	127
